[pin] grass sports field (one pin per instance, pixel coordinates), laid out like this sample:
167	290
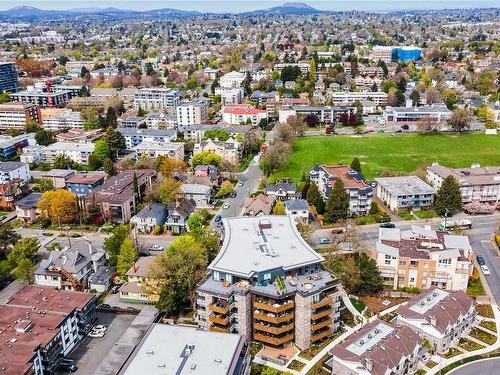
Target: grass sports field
399	153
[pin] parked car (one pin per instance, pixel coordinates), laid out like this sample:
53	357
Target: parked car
97	334
325	241
105	306
485	269
480	260
232	195
156	248
226	206
115	289
100	328
240	183
387	225
68	367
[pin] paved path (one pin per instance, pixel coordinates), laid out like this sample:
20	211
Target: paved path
482	367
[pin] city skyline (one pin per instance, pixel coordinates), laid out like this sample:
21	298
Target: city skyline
238	6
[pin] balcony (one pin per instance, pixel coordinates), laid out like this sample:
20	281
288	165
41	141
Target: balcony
321	335
213	328
218	319
273	340
276	308
324	302
218	308
321	314
273	330
322	324
271	318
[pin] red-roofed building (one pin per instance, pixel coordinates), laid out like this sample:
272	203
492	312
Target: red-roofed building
242	113
40	325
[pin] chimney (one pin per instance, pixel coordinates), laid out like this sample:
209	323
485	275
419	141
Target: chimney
432	320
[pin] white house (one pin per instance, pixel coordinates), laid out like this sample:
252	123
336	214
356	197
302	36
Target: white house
298	209
231	79
13	170
150	216
200	194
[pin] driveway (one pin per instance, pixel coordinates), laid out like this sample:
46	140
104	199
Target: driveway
89	354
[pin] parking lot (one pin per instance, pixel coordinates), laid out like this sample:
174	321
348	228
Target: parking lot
91	351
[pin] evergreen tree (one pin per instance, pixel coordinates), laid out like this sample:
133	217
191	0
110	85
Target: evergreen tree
337	205
126	257
109	167
369	275
113	243
448	197
312	193
137	190
111	117
356	165
115	141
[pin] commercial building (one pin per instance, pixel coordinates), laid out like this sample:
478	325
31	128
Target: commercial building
378	348
404	192
325	115
14	170
55	98
477	184
237	114
227	150
232	79
116	201
156	98
84	183
441	317
413	114
395	53
8	77
230	95
65	120
267	284
360	193
170	349
190	113
16	115
423	258
134	137
379	98
174	150
70	267
40	325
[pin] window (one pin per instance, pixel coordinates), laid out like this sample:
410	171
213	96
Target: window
413	263
445	261
402	263
412	279
387	261
387	257
267	276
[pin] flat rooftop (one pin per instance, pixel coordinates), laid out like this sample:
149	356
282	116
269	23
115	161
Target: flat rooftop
257	244
169	349
405	185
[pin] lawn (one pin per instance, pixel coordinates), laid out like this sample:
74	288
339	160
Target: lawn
479	334
475	288
492	326
485	310
469	345
358	305
402	153
296	365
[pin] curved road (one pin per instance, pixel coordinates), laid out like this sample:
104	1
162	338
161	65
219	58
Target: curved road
487	367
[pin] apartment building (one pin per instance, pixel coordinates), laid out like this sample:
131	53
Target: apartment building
477	184
14	170
8	77
42	325
16	115
201	352
267	284
64	120
55	98
196	133
423	258
194	112
9	145
228	150
325	115
237	114
303	66
404	192
343	97
84	183
174	150
80	136
231	79
230	95
273	105
134	137
413	114
70	267
360	193
439	316
77	152
156	98
378	348
116	201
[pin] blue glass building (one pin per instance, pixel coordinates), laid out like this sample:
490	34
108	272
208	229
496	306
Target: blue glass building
8	77
406	53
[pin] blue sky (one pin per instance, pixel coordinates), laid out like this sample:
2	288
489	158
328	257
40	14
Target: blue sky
245	5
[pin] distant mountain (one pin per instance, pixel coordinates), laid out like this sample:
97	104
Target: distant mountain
285	9
169	12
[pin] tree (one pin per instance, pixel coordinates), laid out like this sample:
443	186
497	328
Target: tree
195	224
44	184
460	120
4	97
312	120
109	167
297	124
448	197
337	205
346	269
206	158
279	208
45	137
90	118
141	112
113	243
24	249
62	162
169	189
427	125
101	150
94	162
275	156
59	206
126	257
356	165
220	133
8	237
115	140
225	189
305	230
370	280
167	166
433	96
25	270
314	197
283	133
415	98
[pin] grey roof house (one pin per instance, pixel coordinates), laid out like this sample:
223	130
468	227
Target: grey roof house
178	213
201	194
150	216
283	190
